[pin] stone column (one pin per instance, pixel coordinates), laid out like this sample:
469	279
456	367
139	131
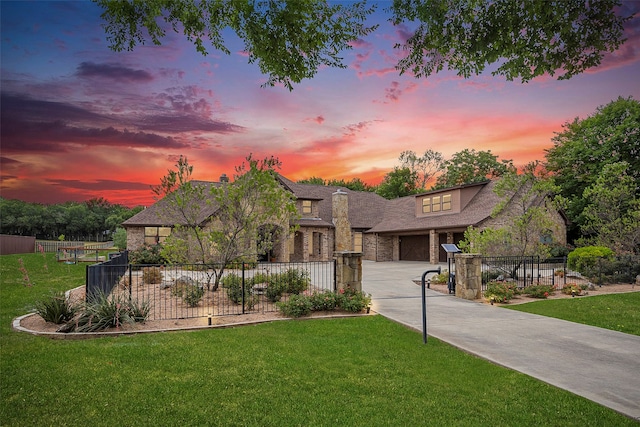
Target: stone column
348	270
468	276
340	211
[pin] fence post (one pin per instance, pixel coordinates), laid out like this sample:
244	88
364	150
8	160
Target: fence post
243	287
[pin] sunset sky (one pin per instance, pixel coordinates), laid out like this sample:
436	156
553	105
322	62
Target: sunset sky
80	121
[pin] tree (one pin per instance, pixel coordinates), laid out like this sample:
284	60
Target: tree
314	180
526	38
612	214
424	168
585	146
229	222
529	229
398	183
471	166
288	40
291	40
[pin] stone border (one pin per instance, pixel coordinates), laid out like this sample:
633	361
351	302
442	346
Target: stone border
16	324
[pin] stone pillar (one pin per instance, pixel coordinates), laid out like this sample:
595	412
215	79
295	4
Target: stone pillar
340	211
468	276
348	270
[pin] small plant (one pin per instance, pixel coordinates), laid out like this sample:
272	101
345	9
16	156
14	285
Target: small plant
324	301
193	295
296	306
440	278
539	291
56	308
104	312
352	300
500	291
151	275
558	273
572	289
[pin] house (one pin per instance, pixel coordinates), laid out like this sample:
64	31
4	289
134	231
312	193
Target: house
336	219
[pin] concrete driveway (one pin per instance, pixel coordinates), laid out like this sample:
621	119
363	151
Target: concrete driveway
608	361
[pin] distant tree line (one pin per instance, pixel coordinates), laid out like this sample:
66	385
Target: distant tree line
93	220
594	166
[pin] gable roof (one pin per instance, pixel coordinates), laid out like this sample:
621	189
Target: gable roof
400	214
365	208
164	213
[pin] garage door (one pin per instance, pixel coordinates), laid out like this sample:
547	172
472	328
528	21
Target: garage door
414	248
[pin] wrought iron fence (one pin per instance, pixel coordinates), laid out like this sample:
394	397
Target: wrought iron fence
525	271
194	290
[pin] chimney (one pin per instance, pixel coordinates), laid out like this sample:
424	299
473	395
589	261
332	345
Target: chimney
224	178
340	213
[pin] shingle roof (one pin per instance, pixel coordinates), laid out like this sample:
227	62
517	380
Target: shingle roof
164	212
365	208
399	215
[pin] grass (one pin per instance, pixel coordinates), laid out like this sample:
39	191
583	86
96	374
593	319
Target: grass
618	312
362	371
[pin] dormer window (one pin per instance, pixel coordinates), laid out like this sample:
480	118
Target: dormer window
436	204
306	207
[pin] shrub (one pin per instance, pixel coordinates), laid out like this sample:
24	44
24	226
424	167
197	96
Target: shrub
500	291
231	280
539	291
192	295
151	275
276	287
296	306
323	301
233	284
352	300
104	312
234	292
56	308
296	280
147	254
259	278
584	259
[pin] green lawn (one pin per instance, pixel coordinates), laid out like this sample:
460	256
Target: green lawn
361	371
619	312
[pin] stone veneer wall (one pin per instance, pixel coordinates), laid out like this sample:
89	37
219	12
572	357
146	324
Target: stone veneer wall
135	238
377	248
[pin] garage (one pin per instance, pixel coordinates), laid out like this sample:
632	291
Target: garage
414	248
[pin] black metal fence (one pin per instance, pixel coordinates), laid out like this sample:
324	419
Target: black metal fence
102	278
532	270
525	271
187	291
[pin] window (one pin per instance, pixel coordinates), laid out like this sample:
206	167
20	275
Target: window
426	205
446	202
155	235
357	241
306	207
435	204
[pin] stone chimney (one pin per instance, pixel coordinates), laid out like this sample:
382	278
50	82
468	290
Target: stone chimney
340	210
224	178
